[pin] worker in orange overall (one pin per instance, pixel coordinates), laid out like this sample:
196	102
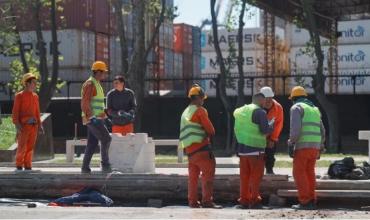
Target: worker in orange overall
195	132
26	118
251	129
307	136
274	113
121	105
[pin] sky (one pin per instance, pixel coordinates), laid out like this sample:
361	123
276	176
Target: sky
193	12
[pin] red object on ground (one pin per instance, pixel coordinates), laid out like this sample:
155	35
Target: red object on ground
251	173
304	174
123	129
205	164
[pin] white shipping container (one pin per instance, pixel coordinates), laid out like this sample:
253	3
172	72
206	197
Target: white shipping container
250	39
349	57
353	32
209	64
77	48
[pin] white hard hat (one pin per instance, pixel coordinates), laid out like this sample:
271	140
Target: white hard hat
267	92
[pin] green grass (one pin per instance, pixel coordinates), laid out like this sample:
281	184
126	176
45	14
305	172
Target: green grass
7	133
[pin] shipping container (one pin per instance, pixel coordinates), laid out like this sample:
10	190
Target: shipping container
349	57
177	71
76	48
226	38
210	65
352	32
196	40
102	47
196	65
183	38
165	35
93	15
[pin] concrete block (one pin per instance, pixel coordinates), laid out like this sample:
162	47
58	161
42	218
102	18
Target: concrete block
132	153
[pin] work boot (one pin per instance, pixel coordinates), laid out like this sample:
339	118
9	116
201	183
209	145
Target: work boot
309	206
18	169
195	205
85	170
211	205
270	171
106	169
240	206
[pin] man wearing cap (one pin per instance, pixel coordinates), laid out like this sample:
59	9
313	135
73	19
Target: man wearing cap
307	136
121	105
195	132
93	115
274	113
26	118
251	129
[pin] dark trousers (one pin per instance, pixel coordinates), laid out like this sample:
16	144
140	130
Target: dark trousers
270	158
96	133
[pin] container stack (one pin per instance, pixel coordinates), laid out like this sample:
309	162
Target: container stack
183	48
352	58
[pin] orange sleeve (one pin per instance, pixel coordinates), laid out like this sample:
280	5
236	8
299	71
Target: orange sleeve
202	116
16	108
279	121
38	115
88	92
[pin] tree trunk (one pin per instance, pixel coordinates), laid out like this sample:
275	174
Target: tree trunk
118	5
138	65
241	82
318	81
221	87
41	49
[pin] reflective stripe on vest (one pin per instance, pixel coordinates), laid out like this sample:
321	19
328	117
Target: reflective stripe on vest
190	132
311	127
97	102
246	131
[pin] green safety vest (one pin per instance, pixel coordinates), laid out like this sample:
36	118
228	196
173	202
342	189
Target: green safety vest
190	132
311	125
97	102
246	131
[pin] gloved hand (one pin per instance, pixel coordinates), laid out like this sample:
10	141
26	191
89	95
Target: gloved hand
126	115
290	149
272	122
31	121
95	121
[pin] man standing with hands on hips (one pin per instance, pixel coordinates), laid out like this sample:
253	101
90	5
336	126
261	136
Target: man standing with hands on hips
93	115
275	114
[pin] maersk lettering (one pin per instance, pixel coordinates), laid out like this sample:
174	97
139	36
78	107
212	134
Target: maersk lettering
232	62
233	38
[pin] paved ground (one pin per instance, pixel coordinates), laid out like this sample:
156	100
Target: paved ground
182	171
176	212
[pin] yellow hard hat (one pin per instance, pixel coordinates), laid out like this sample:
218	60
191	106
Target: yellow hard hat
27	77
297	91
196	90
99	66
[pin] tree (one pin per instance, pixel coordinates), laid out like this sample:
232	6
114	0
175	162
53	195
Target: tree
13	44
135	66
221	79
318	81
241	82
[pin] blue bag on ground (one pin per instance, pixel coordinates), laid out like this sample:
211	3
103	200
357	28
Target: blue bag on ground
86	195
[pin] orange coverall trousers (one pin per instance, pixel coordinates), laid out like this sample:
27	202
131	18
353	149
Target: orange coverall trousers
26	142
203	163
123	129
251	173
304	174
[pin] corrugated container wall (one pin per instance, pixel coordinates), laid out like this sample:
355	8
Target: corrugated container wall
165	35
183	38
196	40
102	47
93	15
